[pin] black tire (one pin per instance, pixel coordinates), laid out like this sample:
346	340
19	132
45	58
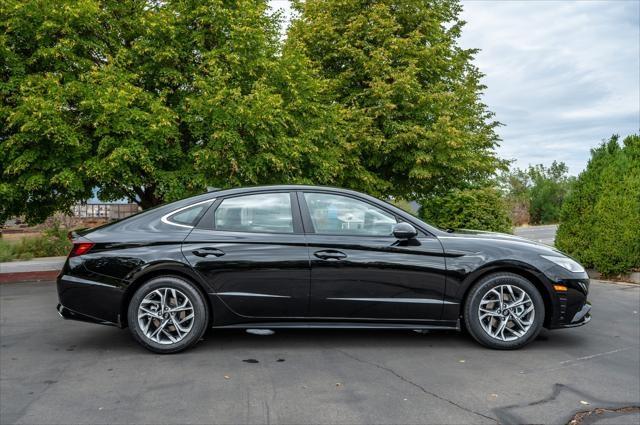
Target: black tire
480	289
200	313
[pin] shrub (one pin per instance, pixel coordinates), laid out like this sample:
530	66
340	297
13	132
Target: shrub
404	205
479	209
600	220
6	251
53	242
535	195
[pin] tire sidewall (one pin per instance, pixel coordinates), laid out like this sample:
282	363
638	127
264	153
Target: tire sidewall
201	318
472	321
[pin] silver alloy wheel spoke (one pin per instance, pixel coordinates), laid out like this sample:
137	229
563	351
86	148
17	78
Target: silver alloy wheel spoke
506	312
166	316
145	312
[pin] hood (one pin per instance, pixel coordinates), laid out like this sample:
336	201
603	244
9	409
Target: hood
496	236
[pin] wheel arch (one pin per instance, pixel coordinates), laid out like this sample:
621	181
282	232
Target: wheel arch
529	273
162	269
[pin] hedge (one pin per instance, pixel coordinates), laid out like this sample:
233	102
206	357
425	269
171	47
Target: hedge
600	219
478	209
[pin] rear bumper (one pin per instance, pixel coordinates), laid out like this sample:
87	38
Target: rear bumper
85	298
69	314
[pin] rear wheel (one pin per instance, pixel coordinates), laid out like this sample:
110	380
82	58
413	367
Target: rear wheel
167	314
504	311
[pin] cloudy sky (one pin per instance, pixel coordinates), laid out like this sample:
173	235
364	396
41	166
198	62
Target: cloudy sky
561	75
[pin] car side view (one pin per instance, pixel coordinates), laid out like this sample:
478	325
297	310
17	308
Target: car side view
312	257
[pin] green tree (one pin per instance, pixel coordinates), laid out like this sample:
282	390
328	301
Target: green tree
548	190
477	209
409	94
539	190
154	101
600	220
515	186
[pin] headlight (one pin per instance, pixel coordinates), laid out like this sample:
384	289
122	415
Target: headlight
566	263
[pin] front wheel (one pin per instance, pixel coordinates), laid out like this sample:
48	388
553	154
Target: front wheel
504	311
167	314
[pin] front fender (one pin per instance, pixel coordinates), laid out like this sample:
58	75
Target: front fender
460	279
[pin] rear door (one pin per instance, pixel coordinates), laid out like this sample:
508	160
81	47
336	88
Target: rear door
360	271
252	251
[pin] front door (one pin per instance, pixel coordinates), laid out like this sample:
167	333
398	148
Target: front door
253	254
360	271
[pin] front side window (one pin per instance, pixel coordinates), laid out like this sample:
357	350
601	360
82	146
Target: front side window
342	215
262	213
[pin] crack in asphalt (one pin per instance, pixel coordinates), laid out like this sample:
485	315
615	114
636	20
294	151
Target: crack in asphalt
580	417
506	415
416	385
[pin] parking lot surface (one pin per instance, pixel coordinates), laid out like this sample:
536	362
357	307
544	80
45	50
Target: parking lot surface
56	371
545	234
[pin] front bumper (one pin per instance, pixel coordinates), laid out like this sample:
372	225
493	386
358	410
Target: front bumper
570	306
582	317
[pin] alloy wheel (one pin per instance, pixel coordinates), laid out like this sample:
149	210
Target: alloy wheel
506	312
166	315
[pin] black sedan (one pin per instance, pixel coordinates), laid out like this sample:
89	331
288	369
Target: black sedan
312	257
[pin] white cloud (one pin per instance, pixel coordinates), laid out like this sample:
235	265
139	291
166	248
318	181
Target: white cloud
561	75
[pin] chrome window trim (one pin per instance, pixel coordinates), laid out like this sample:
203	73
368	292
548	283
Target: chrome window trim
165	218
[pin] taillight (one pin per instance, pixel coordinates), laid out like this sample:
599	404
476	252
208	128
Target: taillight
80	248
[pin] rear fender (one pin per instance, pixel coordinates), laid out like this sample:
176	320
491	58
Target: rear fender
139	276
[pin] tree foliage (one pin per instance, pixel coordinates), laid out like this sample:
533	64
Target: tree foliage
477	209
535	195
154	101
409	93
600	221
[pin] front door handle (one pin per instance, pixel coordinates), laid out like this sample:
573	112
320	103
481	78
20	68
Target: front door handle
203	252
330	254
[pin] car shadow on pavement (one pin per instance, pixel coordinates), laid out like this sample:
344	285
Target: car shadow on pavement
292	339
113	339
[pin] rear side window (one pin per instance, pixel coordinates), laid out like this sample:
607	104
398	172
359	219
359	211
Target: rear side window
188	216
261	213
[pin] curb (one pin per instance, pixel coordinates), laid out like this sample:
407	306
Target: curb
29	276
46	268
631	278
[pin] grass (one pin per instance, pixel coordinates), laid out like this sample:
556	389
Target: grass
52	242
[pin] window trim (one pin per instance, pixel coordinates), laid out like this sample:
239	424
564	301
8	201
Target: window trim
166	218
207	222
308	222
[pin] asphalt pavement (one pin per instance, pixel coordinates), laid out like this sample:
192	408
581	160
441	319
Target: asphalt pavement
545	234
56	371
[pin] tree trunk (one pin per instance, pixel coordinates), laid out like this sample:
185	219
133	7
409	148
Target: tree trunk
147	197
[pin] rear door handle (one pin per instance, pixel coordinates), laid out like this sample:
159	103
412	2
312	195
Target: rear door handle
203	252
330	254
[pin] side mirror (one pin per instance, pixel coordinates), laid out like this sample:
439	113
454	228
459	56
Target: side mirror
404	231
